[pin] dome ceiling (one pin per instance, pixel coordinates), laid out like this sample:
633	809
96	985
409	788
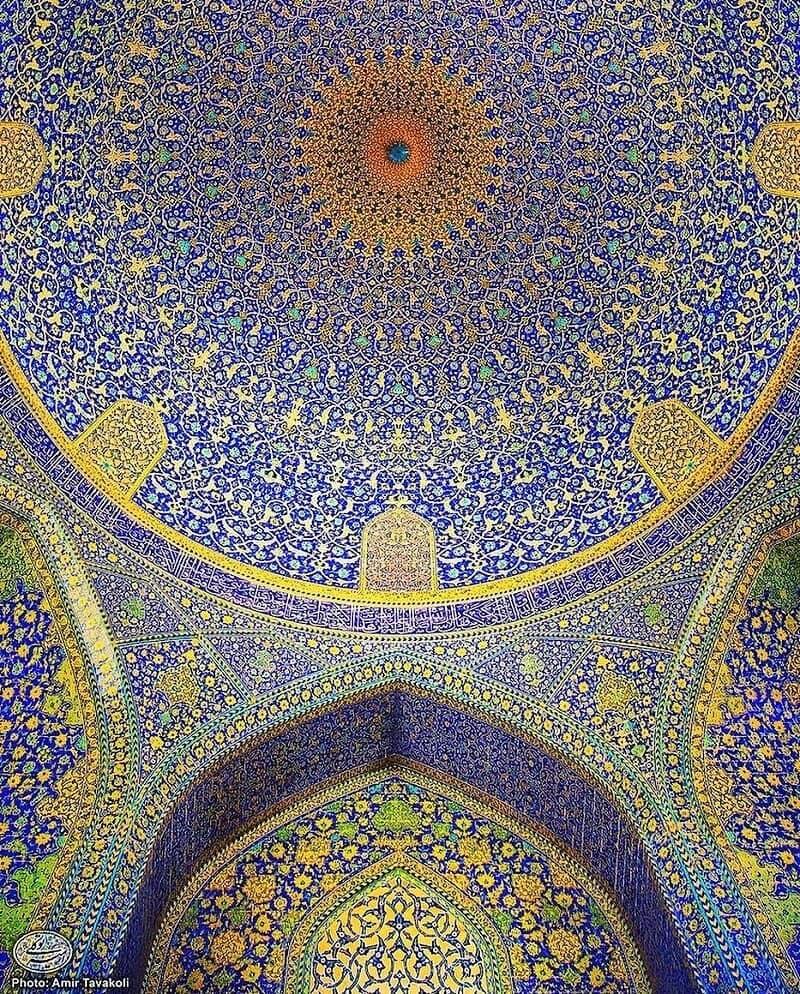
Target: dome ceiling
439	257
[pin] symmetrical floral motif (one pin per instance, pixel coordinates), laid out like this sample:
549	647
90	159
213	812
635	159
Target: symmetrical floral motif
672	443
398	931
179	685
125	443
607	225
22	159
776	158
399	153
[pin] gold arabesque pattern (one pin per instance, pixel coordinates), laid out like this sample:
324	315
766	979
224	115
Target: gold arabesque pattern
776	158
395	928
398	553
672	444
125	443
23	158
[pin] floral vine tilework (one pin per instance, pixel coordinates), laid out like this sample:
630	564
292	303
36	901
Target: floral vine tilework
307	375
753	961
654	614
275	658
615	689
137	608
74	895
401	925
751	759
168	715
539	662
49	780
555	926
96	522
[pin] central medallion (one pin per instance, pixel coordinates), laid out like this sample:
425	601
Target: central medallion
398	153
420	154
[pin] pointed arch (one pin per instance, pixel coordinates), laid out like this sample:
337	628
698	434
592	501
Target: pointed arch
458	946
510	771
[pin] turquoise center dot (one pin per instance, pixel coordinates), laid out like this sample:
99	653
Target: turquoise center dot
398	153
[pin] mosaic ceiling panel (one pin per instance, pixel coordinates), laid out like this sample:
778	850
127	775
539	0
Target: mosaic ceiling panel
564	229
302	340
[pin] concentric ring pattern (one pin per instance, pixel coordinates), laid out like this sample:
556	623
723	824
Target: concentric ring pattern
567	229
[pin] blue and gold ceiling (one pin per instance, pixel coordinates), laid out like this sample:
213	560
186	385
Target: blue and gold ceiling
399	508
324	333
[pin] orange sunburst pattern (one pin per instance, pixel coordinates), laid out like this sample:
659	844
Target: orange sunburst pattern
400	154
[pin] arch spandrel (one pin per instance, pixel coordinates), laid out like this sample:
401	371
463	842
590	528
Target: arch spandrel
745	748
